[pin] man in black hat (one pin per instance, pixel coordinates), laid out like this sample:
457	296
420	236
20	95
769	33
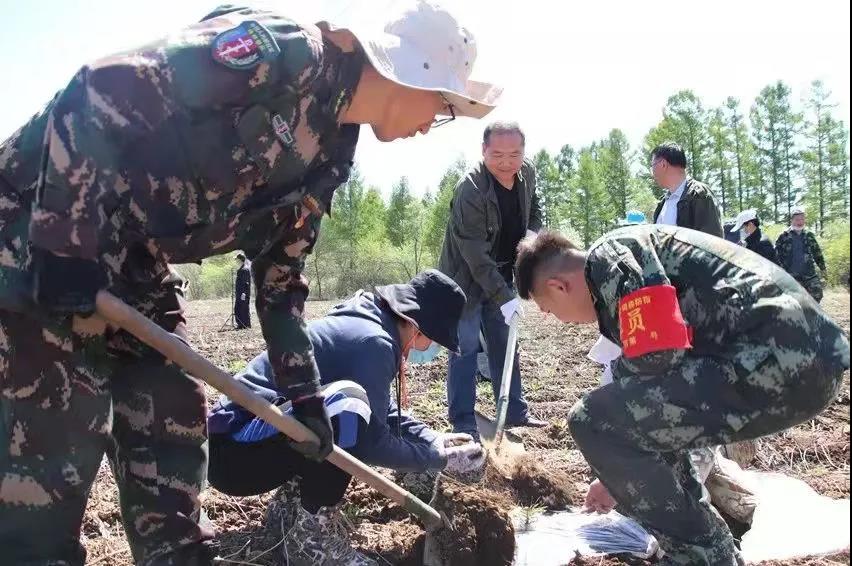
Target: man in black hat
361	348
242	294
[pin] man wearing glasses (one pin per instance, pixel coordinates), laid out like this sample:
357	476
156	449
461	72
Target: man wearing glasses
494	207
232	133
687	202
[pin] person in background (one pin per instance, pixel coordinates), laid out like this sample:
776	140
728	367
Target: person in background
361	348
687	202
800	254
494	206
747	225
242	293
733	237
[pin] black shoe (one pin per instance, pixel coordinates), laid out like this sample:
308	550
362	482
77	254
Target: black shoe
529	422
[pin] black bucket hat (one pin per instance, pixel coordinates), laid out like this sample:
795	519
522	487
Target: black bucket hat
432	302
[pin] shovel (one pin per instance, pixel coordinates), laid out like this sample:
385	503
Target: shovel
505	444
118	313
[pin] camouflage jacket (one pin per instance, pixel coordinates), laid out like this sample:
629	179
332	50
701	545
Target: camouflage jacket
813	253
210	140
735	306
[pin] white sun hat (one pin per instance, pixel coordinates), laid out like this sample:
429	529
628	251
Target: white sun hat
426	48
743	218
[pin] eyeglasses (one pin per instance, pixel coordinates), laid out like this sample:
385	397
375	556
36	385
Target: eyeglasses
442	121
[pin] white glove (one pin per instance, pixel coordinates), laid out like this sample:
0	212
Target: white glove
463	454
243	297
510	308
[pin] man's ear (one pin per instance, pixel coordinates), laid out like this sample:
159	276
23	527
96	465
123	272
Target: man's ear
557	284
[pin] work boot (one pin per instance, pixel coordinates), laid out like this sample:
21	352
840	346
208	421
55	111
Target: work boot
528	422
283	509
322	539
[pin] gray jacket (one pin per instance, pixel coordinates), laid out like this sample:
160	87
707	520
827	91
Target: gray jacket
696	209
473	233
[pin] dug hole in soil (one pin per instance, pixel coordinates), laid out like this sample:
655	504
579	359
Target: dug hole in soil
480	532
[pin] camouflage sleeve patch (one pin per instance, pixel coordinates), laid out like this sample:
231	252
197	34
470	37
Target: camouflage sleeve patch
281	293
243	57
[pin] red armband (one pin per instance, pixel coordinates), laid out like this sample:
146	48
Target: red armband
651	321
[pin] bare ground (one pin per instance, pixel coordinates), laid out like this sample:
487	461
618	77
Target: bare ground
555	372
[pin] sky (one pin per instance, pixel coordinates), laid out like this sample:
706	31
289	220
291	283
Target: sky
571	70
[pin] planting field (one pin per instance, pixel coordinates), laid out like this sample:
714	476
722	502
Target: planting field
555	373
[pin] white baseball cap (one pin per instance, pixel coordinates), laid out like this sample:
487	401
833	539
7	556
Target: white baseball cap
797	210
743	218
426	48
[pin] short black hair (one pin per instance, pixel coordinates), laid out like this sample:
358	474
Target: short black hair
549	252
501	127
756	222
671	152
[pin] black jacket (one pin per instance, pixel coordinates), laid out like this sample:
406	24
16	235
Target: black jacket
473	233
760	244
696	209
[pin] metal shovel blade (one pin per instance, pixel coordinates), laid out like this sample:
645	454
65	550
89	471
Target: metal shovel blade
511	445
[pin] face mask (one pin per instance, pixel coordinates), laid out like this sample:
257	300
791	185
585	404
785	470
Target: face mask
743	234
424	356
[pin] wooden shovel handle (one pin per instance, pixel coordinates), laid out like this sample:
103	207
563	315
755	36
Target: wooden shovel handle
120	314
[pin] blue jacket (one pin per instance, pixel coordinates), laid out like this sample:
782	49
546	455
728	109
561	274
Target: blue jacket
357	341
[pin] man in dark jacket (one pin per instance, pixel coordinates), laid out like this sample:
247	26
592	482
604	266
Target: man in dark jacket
800	254
747	225
242	294
493	208
360	348
687	202
718	346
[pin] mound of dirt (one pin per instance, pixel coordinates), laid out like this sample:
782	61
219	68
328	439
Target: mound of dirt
398	542
481	532
533	484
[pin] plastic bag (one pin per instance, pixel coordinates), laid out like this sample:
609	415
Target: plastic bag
552	539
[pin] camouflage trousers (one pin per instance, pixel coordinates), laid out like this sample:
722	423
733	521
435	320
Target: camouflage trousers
812	284
636	434
72	390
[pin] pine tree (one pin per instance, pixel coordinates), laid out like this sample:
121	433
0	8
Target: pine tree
719	162
740	136
439	214
592	207
551	195
766	124
615	171
818	134
399	218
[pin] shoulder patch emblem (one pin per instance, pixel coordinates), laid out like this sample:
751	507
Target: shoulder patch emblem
650	320
245	46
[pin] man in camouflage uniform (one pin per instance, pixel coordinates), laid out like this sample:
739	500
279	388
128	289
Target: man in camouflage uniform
718	346
800	254
230	134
